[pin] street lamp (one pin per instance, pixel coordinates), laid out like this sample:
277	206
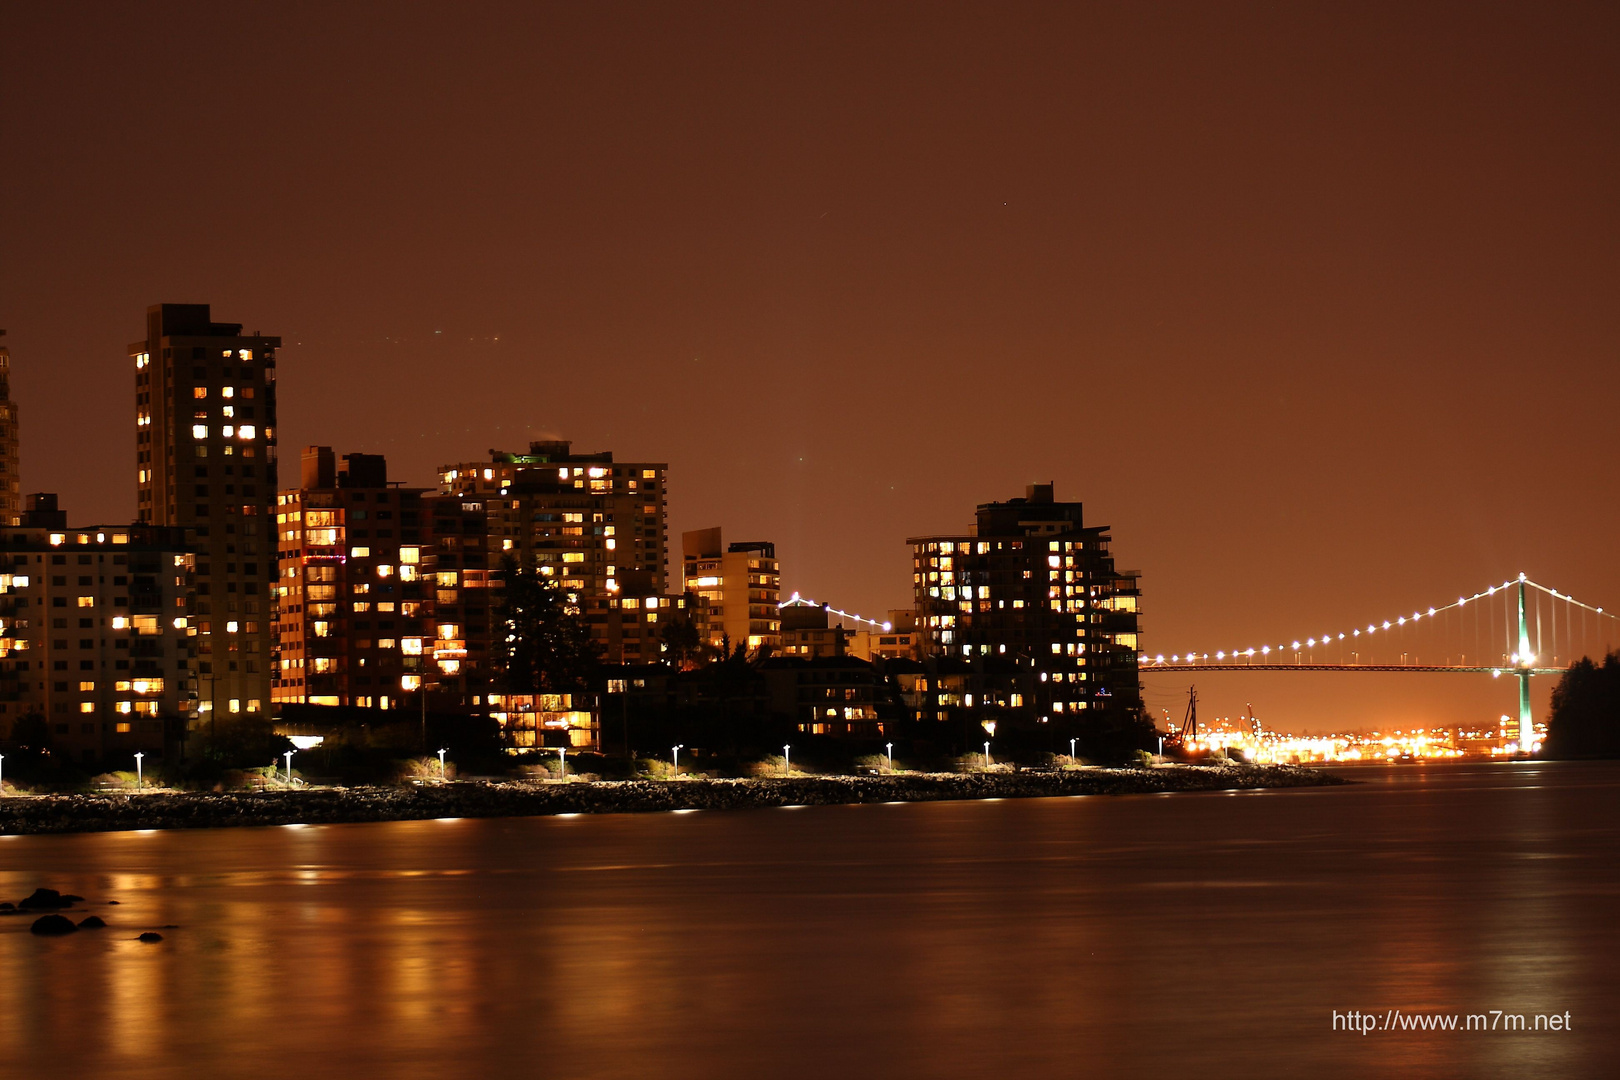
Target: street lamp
288	755
890	748
675	759
562	762
2	775
787	761
441	766
987	754
1071	750
139	780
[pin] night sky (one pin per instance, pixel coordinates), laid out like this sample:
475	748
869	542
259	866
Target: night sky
1316	306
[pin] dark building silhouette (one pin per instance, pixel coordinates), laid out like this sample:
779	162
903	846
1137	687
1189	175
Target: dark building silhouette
1037	624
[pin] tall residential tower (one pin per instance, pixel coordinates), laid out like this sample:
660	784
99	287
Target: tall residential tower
205	423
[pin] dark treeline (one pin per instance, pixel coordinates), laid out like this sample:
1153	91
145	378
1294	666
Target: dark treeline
1585	720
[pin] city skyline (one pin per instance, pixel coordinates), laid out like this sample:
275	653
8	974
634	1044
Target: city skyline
1357	358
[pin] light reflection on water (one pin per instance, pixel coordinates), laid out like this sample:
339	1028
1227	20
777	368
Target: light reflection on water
1061	937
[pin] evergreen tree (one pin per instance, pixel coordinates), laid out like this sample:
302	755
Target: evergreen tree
547	648
1586	711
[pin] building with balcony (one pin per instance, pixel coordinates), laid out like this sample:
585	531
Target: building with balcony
96	635
1030	602
742	585
355	610
205	463
584	520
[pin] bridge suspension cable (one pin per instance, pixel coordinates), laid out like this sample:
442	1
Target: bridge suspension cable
1515	653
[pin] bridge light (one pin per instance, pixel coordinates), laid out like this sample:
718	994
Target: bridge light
1220	656
1386	624
1265	650
1309	642
1431	613
1523	578
1296	646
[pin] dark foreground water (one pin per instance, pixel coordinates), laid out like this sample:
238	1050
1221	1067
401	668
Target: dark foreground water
1198	935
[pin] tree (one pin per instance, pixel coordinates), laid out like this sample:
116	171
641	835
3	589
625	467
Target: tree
547	647
683	645
1585	720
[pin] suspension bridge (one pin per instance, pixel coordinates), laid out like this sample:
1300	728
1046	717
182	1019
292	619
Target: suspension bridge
1509	629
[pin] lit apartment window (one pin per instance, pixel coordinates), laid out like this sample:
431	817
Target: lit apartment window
87	706
86	687
87	601
360	553
199	431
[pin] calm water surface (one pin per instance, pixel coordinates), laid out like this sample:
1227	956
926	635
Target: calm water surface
1199	935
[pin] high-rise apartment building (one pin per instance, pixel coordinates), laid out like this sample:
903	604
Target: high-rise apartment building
10	484
741	583
355	620
95	634
1031	599
584	520
205	431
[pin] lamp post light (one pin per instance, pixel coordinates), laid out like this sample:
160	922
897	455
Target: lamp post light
675	759
288	755
889	747
2	775
787	760
1071	750
441	766
562	762
987	755
1161	746
139	778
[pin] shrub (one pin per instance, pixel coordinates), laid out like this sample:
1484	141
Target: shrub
424	770
117	781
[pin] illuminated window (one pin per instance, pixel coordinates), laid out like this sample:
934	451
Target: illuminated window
411	646
410	555
86	687
446	578
230	627
199	431
87	706
360	553
245	431
87	601
123	726
199	392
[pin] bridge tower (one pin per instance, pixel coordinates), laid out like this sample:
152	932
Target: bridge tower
1527	727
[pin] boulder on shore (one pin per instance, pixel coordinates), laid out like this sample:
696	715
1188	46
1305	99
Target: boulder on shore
149	937
46	899
94	922
53	925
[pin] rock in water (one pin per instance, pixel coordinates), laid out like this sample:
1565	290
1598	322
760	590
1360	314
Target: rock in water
148	937
45	899
53	925
94	922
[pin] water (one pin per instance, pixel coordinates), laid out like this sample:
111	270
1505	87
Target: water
1202	935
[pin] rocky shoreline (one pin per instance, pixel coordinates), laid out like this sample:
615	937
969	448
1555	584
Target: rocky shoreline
200	810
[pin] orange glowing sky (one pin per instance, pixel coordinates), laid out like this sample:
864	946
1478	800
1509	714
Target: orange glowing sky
1316	306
